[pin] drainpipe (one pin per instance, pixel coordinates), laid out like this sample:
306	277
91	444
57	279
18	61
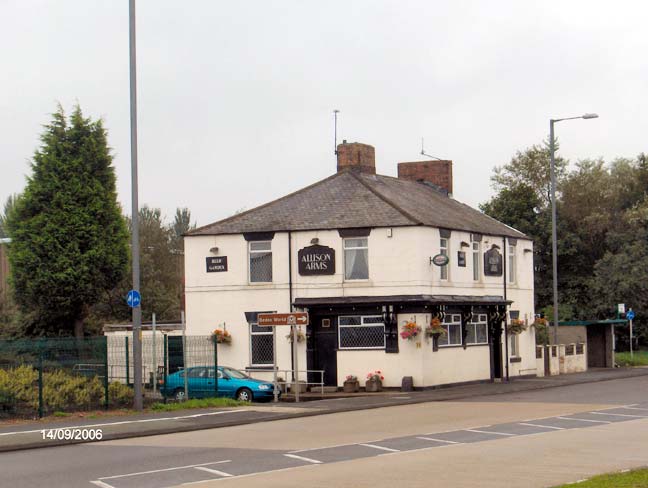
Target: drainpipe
505	307
290	305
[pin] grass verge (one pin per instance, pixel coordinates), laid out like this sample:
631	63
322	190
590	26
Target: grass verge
640	358
197	403
630	479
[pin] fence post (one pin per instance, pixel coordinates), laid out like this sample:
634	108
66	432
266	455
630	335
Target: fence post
40	379
166	364
107	399
127	362
215	366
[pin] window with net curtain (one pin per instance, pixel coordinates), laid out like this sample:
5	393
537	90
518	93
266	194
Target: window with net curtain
356	258
260	261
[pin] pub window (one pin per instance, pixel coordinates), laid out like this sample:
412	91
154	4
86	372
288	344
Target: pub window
361	332
476	251
477	329
260	261
261	345
444	250
452	325
356	258
511	264
513	345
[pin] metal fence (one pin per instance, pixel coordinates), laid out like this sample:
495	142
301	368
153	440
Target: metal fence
45	376
40	376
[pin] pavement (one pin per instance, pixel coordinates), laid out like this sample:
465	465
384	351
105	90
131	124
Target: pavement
47	434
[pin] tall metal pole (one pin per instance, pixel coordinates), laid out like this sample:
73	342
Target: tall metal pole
137	311
554	242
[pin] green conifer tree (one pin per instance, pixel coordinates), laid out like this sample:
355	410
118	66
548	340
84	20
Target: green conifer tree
69	239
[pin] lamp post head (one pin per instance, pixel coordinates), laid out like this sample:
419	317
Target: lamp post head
590	116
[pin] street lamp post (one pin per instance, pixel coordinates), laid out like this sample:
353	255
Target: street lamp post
554	240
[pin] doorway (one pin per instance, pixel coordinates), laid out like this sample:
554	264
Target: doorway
322	349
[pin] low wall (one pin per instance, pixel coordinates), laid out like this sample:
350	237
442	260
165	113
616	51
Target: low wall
562	359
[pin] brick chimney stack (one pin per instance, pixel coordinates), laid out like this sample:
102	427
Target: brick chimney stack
436	172
357	157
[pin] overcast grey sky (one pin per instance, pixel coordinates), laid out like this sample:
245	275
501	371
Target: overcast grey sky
236	98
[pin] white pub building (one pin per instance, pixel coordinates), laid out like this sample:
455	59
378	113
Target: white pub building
371	258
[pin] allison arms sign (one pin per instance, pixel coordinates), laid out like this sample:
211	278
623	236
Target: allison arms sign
316	260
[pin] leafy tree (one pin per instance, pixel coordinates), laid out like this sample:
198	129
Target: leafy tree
181	225
69	240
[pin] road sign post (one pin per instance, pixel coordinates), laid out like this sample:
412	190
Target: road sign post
293	320
630	315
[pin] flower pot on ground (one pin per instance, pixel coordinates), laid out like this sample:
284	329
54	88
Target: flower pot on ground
374	381
351	384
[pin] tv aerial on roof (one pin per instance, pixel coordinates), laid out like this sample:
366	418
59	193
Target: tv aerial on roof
425	154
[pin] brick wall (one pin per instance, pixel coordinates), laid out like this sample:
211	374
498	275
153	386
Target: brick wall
437	172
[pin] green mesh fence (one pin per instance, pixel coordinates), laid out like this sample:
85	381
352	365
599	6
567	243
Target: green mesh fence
42	376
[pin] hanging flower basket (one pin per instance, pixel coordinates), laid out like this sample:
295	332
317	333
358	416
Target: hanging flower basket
516	326
221	336
435	329
410	330
301	337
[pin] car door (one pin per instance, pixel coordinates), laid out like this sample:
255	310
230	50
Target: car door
197	381
226	386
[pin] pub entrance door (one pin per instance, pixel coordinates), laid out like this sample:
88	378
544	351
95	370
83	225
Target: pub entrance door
322	349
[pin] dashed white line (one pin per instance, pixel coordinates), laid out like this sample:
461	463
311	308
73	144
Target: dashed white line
585	420
382	448
163	470
488	432
302	458
552	427
620	415
438	440
214	471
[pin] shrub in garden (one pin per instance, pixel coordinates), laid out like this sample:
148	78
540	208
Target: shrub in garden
63	391
18	386
120	395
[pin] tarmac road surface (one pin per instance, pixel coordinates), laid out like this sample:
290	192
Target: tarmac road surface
535	438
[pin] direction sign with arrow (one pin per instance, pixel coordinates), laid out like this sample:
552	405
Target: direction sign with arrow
272	319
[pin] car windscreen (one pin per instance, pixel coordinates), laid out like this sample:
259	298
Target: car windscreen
234	373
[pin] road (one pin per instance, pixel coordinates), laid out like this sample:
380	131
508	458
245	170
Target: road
537	438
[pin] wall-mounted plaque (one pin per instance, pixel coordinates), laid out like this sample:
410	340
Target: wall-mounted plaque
316	260
492	263
216	264
461	259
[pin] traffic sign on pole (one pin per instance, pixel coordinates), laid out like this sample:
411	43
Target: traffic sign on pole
630	315
133	299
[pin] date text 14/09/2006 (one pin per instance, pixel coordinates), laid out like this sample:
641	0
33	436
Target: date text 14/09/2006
72	434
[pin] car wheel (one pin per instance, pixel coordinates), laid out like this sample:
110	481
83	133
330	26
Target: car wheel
244	395
179	394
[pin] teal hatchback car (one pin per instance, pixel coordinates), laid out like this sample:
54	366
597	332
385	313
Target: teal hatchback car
201	383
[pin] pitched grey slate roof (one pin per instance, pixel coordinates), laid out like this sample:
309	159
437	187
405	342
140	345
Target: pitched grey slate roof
348	200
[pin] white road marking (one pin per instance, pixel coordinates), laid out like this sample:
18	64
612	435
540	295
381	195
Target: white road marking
438	440
620	415
635	408
214	471
124	422
101	484
487	432
302	458
541	426
163	470
304	466
585	420
382	448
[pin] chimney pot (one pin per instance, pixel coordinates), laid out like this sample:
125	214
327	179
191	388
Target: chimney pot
356	157
437	172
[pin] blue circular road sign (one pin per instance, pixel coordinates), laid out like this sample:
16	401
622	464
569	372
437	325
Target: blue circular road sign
630	315
133	299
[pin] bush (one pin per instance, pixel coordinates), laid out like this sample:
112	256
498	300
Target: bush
120	395
18	387
63	391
